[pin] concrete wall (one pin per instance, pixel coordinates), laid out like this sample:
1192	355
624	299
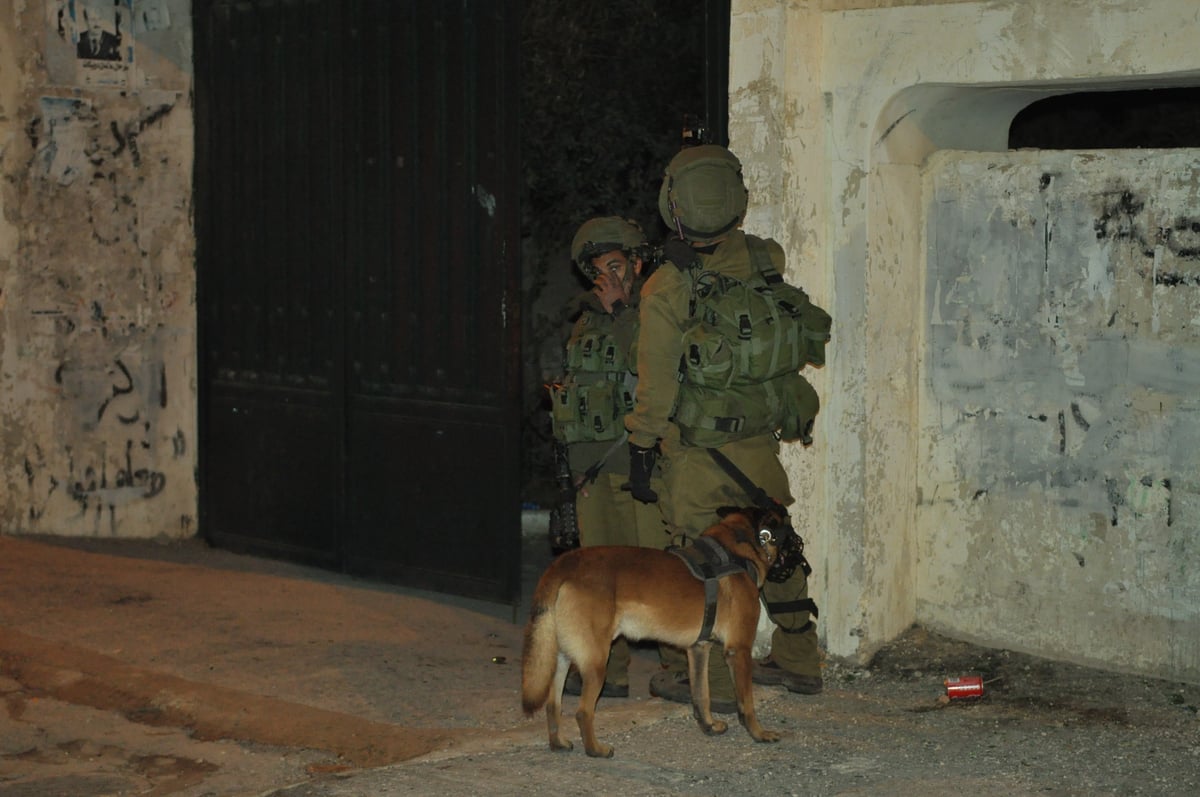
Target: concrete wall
97	306
836	106
1059	442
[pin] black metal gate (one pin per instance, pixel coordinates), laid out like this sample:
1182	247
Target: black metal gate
358	271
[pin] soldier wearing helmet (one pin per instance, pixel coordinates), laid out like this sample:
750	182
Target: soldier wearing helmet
590	403
610	252
703	200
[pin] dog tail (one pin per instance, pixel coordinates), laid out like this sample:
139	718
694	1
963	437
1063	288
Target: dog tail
539	656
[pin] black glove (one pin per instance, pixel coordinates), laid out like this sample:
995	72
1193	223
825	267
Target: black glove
641	463
680	253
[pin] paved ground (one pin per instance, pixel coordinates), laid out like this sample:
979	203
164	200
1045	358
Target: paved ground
140	668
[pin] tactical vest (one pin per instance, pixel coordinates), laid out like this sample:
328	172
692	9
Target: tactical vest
597	392
740	370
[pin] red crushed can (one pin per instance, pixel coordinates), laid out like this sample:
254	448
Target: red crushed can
964	686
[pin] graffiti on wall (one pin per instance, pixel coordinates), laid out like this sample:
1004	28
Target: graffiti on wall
1065	332
103	305
97	397
1060	399
118	446
116	407
1121	216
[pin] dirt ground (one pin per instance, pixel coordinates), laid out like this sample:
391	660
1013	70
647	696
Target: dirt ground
148	668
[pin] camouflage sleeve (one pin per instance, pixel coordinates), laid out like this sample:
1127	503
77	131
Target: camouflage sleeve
624	330
662	317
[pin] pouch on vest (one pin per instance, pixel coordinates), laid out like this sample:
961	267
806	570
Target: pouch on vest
710	417
800	407
742	329
815	324
595	351
752	331
585	411
708	358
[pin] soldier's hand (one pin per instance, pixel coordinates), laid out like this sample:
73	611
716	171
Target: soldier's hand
641	464
611	291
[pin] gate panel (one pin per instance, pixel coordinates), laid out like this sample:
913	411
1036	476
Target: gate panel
269	268
432	369
357	222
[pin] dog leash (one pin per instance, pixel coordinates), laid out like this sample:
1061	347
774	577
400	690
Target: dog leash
757	494
593	471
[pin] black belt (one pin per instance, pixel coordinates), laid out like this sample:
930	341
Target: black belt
788	607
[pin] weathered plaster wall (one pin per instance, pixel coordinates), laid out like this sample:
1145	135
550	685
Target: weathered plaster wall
776	116
1060	438
865	93
97	308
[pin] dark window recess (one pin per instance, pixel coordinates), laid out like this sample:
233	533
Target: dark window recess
1145	119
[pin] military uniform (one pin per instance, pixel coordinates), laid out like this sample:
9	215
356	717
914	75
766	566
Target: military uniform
695	485
607	514
712	201
596	393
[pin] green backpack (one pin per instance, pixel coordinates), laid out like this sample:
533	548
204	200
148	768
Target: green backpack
740	370
752	331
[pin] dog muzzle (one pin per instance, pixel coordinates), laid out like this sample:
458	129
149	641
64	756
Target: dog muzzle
789	553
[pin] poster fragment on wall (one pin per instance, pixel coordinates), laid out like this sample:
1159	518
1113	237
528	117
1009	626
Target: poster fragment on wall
90	42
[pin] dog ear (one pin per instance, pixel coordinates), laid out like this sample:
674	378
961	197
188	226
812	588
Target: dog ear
776	516
756	515
725	511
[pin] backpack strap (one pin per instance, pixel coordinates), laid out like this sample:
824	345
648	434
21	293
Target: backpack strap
684	257
680	253
761	260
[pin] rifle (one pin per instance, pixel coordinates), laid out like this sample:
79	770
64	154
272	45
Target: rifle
564	529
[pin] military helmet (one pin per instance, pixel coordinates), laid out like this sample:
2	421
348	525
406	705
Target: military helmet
605	234
702	194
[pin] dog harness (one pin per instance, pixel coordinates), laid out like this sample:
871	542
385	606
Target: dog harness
710	561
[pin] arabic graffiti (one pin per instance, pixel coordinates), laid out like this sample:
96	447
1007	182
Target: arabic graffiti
122	397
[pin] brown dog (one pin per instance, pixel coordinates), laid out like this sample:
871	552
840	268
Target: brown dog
589	596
